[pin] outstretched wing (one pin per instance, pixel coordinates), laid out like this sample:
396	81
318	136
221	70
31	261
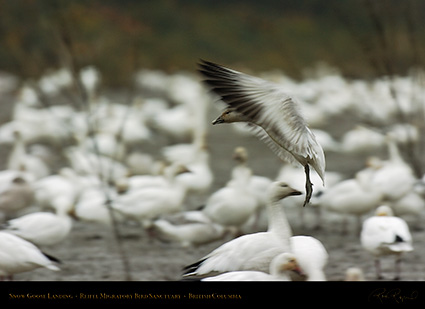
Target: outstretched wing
267	106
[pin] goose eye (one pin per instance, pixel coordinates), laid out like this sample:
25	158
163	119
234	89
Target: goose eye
284	186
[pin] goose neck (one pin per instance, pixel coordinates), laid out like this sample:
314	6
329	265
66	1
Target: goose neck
278	222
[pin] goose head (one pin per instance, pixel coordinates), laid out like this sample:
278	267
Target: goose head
354	274
240	154
181	169
285	262
279	190
384	211
230	115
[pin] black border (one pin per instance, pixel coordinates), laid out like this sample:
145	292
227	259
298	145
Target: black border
195	293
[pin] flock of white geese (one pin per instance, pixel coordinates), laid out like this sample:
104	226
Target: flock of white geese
107	172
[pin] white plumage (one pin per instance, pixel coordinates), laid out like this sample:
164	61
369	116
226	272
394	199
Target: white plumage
192	228
275	114
354	196
280	268
150	202
43	228
254	252
384	234
18	255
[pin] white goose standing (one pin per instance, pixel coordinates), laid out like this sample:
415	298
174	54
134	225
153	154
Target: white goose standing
384	234
276	116
234	204
252	251
256	251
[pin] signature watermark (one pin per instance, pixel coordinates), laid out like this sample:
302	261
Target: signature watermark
395	295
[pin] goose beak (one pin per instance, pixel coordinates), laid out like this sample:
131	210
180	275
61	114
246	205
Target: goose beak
295	192
218	121
298	271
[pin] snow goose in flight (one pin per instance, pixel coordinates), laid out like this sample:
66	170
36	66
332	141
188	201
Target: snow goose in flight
280	268
384	234
275	114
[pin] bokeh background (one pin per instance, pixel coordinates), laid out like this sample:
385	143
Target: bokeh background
361	38
76	73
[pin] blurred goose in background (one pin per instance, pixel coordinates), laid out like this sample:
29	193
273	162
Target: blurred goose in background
353	196
105	144
280	268
36	124
411	203
91	164
15	195
196	158
20	160
125	123
173	122
7	176
275	114
393	177
54	188
139	163
384	234
234	204
43	228
92	206
362	140
55	81
90	79
327	142
258	185
148	203
190	103
354	274
18	255
189	228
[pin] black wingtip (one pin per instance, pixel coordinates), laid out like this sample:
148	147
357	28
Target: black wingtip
52	258
187	270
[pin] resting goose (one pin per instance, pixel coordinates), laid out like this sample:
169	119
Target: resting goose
273	114
384	234
18	255
280	268
43	228
148	203
191	228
